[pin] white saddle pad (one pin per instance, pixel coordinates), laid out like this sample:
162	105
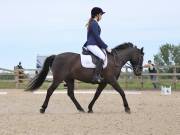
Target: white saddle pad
86	61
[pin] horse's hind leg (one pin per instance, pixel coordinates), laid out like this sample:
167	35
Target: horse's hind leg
70	92
50	91
98	92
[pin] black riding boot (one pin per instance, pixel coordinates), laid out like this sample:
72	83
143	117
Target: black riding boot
97	73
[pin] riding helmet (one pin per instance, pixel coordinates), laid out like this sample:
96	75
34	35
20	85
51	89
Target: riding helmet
96	10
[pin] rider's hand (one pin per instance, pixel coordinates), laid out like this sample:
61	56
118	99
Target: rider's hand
108	50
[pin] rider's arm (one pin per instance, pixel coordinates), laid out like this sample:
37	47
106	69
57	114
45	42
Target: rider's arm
94	28
146	66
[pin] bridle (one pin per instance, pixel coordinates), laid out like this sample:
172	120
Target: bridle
137	66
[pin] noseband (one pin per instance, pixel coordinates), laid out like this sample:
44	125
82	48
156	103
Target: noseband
137	66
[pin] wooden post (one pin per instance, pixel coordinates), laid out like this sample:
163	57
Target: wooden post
137	80
21	75
157	77
174	77
142	82
126	78
77	85
16	74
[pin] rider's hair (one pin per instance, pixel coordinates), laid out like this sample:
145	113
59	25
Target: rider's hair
89	22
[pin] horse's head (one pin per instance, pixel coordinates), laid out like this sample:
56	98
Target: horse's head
137	60
128	52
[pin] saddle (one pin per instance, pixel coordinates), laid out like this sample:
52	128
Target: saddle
89	60
85	51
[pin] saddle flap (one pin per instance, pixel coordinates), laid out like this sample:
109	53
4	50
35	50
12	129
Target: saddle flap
89	60
95	59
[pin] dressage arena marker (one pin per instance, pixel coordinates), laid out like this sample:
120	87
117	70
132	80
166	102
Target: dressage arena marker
89	92
3	93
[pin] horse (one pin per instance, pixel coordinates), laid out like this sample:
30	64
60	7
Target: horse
67	67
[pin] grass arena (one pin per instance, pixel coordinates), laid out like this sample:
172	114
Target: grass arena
151	113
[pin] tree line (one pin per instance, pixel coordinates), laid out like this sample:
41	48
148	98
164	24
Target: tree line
168	55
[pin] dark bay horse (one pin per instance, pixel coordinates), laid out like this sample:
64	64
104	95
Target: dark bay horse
67	67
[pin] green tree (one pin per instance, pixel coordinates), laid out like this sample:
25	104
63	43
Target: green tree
169	55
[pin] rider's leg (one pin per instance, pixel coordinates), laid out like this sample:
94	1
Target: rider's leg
98	52
97	72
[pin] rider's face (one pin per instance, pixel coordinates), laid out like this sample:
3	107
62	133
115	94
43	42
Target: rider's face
99	17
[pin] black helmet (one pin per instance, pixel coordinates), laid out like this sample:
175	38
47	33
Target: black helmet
95	11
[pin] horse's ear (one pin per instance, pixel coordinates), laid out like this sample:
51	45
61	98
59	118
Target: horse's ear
142	50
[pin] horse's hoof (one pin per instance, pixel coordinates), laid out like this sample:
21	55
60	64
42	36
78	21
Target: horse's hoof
82	111
127	110
90	111
42	110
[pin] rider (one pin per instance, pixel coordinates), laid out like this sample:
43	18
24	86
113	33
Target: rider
94	43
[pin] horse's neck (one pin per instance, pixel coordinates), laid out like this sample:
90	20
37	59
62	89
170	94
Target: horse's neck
124	57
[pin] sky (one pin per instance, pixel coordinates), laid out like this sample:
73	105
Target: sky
43	27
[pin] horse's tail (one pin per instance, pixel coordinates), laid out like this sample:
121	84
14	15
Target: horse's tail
38	80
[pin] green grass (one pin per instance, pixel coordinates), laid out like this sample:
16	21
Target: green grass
131	85
12	85
7	85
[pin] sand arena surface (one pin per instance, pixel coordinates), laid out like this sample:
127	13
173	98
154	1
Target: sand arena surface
152	114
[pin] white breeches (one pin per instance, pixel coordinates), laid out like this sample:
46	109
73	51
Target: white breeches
96	51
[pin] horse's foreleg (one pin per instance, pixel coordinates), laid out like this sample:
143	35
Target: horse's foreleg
70	86
98	92
50	91
117	87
